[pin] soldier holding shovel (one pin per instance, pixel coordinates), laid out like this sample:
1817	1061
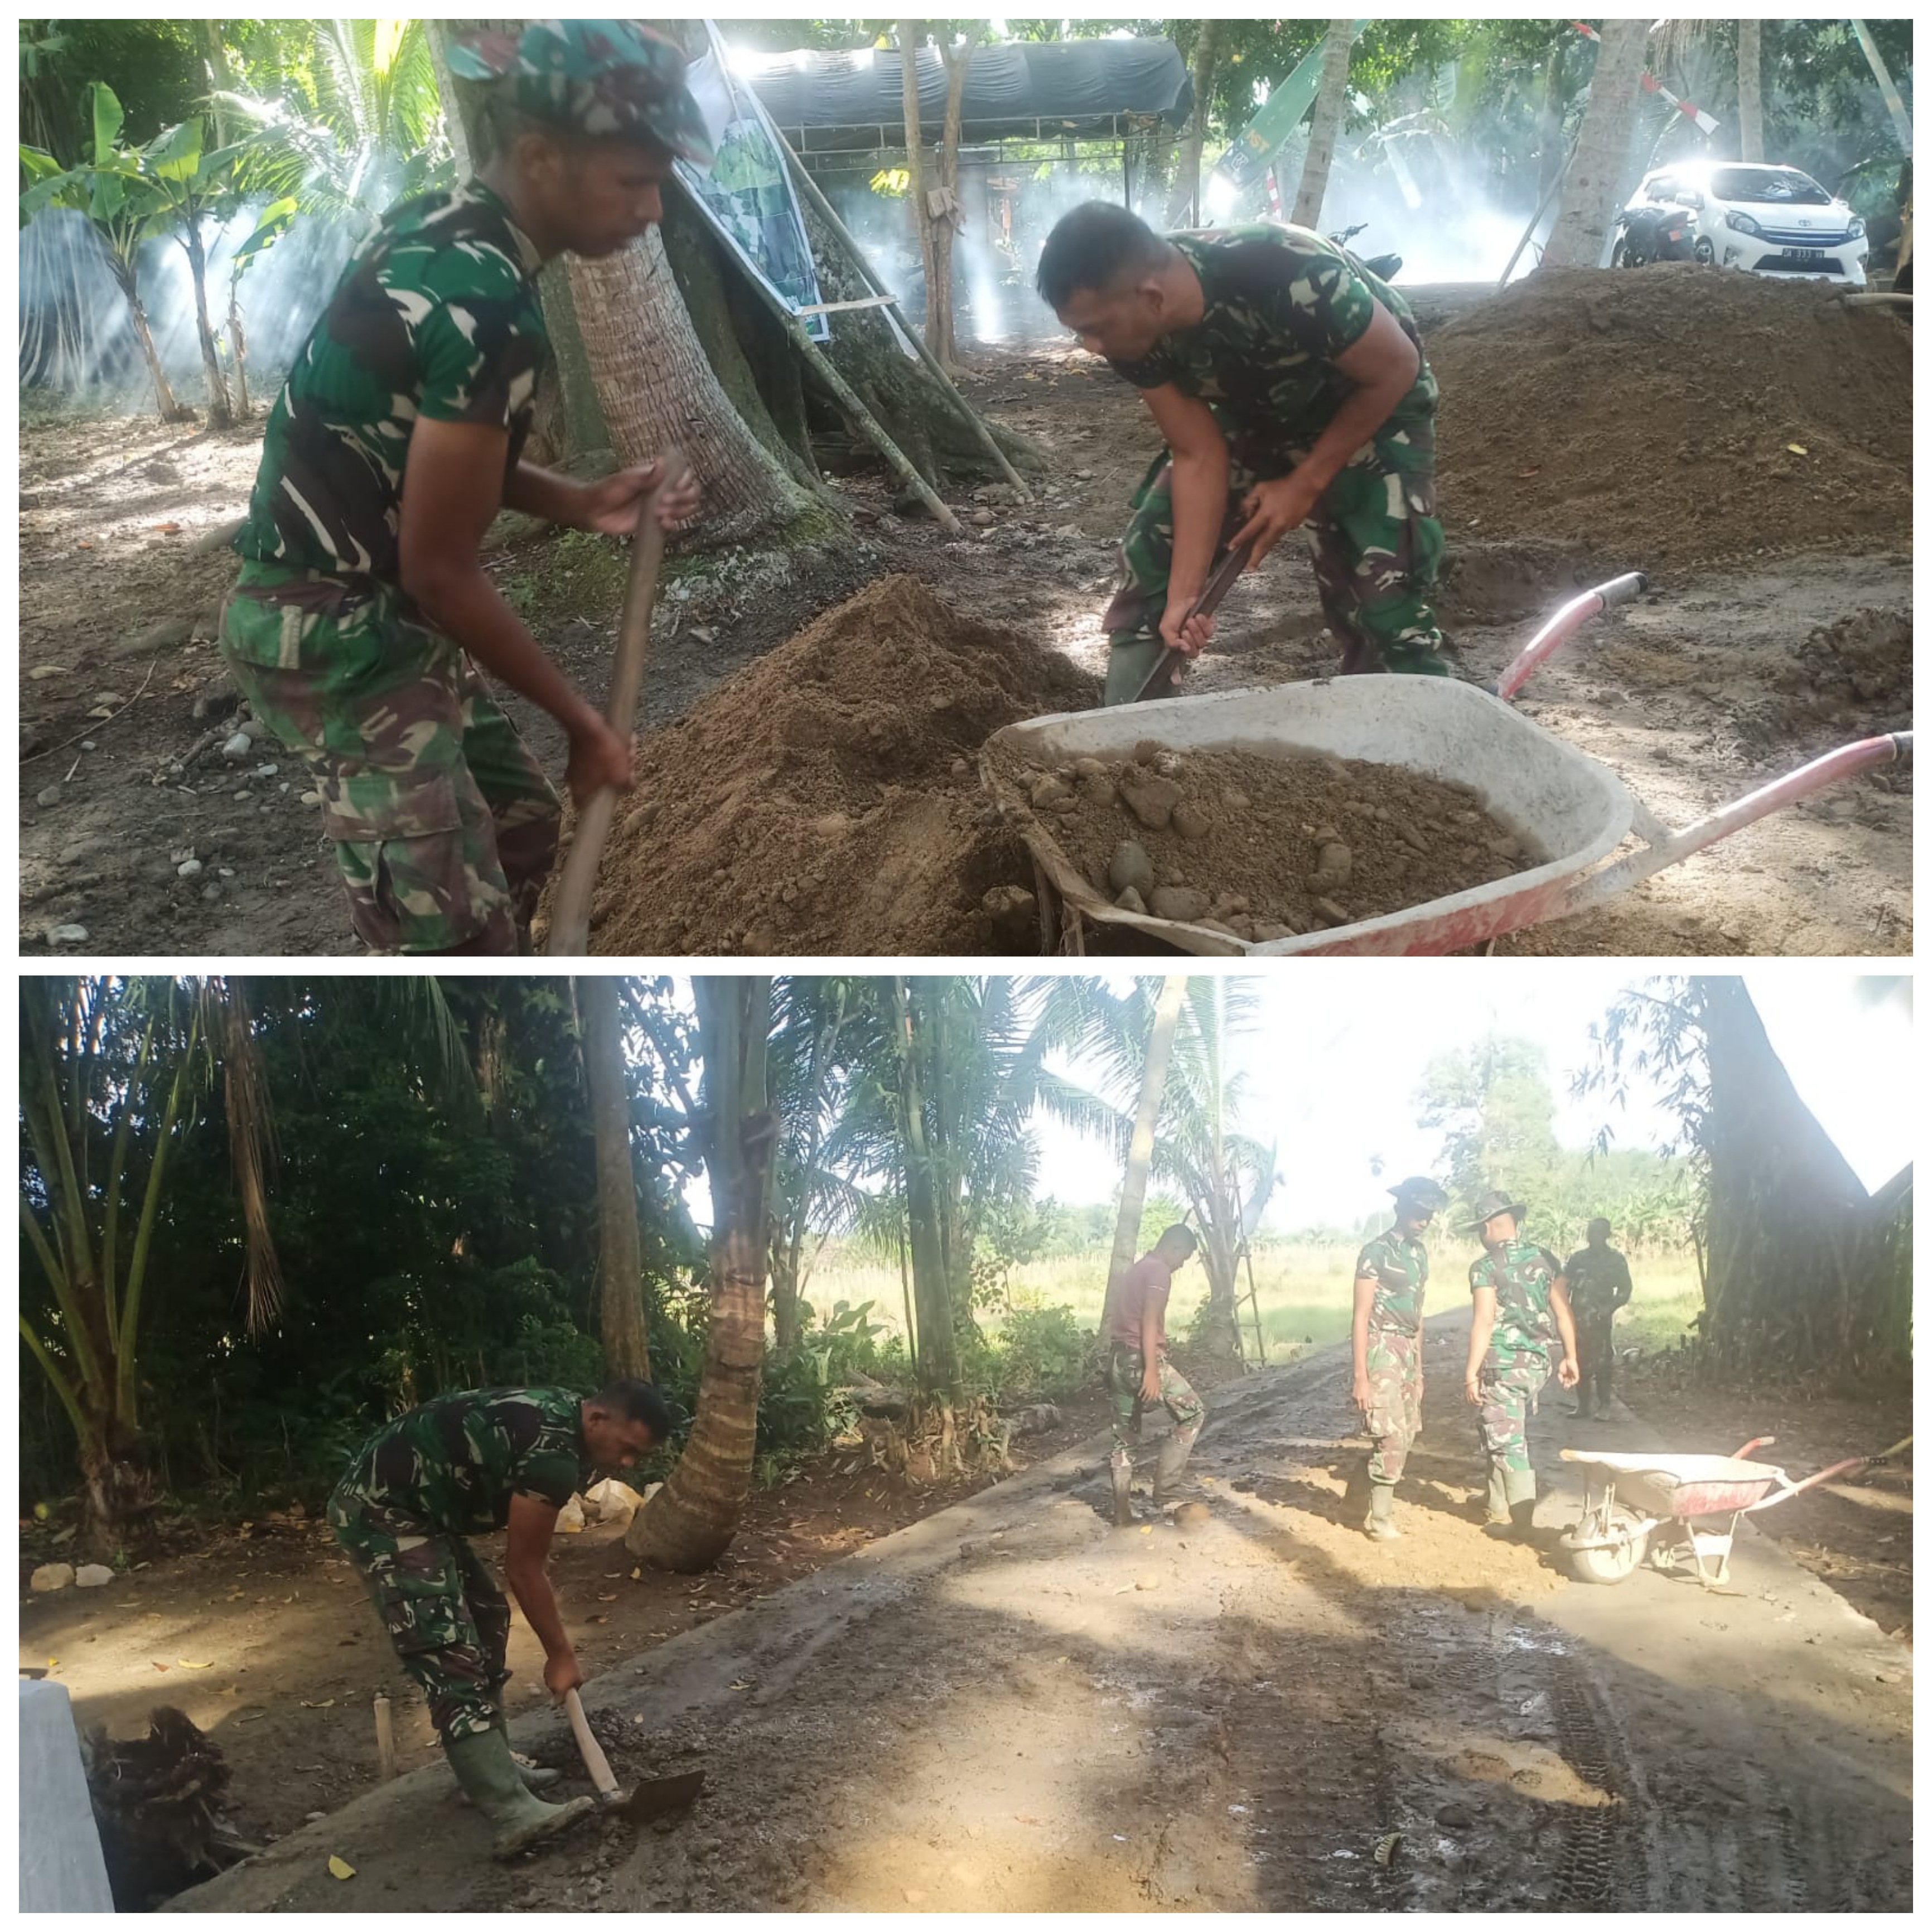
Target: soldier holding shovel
362	600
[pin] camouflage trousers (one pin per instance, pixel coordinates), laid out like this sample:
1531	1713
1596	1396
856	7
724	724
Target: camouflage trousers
444	825
1378	546
1509	1386
1394	1417
449	1624
1125	1367
1596	1355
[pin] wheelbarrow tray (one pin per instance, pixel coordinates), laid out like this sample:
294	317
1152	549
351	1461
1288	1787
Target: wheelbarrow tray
1553	797
1683	1486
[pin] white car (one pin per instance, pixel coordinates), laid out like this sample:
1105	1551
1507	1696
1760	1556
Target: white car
1770	220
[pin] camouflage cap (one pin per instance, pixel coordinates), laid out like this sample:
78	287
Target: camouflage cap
596	76
1489	1206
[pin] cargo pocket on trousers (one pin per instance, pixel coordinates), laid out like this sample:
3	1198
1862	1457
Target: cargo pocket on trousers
397	843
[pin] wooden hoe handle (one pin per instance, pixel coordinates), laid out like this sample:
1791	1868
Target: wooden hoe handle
592	1752
570	924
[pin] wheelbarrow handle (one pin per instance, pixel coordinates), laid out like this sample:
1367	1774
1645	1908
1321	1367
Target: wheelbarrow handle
1756	1442
1166	673
1564	625
1847	761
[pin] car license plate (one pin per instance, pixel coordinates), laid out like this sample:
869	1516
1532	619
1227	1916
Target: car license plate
1804	254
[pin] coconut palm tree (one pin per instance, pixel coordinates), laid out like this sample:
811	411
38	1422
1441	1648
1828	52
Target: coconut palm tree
690	1522
1325	127
1140	1147
1602	144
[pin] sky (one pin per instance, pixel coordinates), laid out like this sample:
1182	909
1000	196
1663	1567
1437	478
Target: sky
1333	1065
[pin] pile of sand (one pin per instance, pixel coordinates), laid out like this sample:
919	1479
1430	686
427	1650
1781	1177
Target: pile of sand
1648	414
1262	848
826	800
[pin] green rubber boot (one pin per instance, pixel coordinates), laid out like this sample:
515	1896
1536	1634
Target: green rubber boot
1380	1525
1172	1466
1123	1496
1499	1499
1520	1486
491	1782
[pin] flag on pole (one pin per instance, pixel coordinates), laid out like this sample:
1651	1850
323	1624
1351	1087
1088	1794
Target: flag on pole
1651	85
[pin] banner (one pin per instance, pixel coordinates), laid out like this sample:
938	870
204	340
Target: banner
1250	152
746	194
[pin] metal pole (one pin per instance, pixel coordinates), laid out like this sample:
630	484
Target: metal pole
1549	195
829	215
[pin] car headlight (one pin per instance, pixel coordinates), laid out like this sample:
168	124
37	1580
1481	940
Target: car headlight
1858	228
1743	224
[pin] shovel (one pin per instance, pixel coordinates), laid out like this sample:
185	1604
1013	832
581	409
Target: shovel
570	924
1166	674
653	1799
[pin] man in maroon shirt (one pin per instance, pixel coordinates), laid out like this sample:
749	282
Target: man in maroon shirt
1138	1371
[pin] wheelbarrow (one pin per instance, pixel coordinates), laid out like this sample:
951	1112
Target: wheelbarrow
1556	800
1674	1507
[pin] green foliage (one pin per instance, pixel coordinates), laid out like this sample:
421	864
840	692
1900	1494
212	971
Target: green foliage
1040	1354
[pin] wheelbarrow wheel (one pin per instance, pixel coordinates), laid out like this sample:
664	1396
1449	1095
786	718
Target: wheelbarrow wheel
1607	1562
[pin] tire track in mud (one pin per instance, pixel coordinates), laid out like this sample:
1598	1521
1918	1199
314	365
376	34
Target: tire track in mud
1602	1867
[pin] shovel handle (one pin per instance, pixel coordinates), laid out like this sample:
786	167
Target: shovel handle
570	925
1167	673
588	1748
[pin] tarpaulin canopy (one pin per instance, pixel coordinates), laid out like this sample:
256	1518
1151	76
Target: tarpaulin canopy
1067	85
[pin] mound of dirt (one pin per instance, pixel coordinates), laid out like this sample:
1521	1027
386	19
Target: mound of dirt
824	800
1651	414
1262	848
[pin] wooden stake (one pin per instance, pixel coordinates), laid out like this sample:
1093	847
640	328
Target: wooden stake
385	1740
896	458
829	215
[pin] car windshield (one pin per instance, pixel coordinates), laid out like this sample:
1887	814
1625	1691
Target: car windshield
1768	184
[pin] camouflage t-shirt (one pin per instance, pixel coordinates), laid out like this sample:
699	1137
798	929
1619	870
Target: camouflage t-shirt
453	1464
1400	1266
436	317
1282	304
1598	1280
1522	1274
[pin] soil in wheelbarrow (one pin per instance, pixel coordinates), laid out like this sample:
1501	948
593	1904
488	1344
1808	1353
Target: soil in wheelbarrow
1264	848
825	799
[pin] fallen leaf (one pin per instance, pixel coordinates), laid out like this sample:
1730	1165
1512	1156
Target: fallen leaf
326	1703
1797	449
158	1667
1535	470
607	1596
167	529
637	1575
340	1867
743	1683
83	545
611	1573
1147	1529
600	1620
186	1665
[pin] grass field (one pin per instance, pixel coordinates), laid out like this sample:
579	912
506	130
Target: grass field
1306	1292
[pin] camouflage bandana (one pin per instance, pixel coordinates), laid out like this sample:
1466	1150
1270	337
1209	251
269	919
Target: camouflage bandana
596	76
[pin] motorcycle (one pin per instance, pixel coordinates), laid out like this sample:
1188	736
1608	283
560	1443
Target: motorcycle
1647	233
1384	267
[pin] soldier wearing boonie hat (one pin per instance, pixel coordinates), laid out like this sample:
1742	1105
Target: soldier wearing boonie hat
398	438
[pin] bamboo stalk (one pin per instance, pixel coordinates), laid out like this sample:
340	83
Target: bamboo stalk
829	215
385	1740
874	432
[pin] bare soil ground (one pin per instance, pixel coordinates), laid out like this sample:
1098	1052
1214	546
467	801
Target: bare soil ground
1726	675
1011	1705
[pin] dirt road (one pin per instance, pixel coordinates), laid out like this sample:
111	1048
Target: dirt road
1012	1706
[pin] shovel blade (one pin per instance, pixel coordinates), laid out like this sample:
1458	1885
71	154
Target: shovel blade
662	1795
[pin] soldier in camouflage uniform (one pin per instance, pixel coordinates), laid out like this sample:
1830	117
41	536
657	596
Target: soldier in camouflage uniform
1599	1280
1290	389
1391	1274
1521	1307
1138	1372
463	1466
398	438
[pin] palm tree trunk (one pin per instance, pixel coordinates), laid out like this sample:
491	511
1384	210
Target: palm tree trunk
220	411
1602	144
934	264
621	1306
1324	127
941	335
1140	1148
1751	90
690	1522
658	391
239	340
164	396
938	1357
1184	204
